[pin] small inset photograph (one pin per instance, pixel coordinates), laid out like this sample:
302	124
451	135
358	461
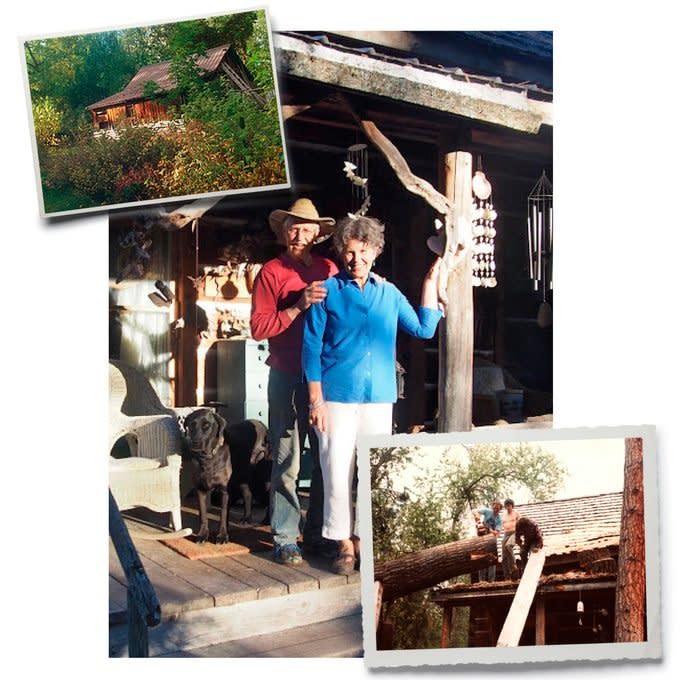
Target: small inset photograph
500	547
127	117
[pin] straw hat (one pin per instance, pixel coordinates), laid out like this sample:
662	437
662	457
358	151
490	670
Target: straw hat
304	210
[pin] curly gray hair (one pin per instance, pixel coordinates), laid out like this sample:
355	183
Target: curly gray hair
365	229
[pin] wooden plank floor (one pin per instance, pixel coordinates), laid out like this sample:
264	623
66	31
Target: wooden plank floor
183	585
331	639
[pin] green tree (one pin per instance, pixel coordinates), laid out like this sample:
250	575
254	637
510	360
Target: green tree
430	510
47	121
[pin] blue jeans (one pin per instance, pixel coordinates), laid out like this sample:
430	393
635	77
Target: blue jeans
288	429
488	574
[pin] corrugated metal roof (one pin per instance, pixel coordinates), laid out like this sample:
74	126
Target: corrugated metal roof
454	71
531	43
160	74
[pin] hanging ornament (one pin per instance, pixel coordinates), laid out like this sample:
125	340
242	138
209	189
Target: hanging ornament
580	609
540	243
356	171
483	231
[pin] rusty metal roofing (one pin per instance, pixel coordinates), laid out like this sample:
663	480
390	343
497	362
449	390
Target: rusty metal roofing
577	524
454	71
160	75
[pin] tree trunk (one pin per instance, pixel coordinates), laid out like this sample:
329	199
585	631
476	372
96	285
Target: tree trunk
630	618
425	568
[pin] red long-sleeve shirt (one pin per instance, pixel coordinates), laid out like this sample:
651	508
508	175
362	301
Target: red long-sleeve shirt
277	287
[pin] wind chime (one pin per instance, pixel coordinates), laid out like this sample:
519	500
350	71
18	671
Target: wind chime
540	240
483	231
356	171
580	609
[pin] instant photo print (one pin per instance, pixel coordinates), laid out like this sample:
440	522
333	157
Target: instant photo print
134	116
507	546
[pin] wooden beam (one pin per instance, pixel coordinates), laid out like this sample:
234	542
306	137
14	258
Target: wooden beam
456	334
540	620
466	599
503	106
447	616
519	609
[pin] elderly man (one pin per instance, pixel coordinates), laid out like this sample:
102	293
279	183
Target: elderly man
283	291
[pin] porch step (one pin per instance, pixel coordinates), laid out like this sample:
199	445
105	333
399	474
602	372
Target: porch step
236	623
337	638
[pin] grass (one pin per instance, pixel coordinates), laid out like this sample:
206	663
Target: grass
67	198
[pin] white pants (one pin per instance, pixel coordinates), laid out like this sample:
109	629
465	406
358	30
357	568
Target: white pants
337	454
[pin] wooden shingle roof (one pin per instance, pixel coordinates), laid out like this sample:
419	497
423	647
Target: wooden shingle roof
161	76
577	524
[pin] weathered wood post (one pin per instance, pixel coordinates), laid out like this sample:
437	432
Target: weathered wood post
144	610
456	335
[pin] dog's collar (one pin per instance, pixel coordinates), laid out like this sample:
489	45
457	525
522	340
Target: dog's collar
201	454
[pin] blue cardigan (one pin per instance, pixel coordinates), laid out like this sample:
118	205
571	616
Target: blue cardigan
350	339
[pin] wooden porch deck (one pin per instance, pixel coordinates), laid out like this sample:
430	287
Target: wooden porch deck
229	604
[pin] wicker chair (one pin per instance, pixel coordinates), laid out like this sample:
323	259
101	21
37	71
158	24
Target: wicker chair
150	476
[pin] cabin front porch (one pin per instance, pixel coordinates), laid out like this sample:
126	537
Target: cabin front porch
240	604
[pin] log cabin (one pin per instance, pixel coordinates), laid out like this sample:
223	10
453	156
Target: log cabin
581	540
134	105
485	94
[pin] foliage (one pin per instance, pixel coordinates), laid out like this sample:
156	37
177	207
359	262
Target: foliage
75	71
429	509
145	164
47	120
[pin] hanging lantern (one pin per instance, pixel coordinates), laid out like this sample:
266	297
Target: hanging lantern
540	243
580	609
483	231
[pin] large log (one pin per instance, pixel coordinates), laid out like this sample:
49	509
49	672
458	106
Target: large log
425	568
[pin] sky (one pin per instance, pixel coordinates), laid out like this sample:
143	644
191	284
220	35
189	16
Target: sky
594	466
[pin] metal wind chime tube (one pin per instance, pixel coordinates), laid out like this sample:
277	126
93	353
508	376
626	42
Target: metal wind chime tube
540	234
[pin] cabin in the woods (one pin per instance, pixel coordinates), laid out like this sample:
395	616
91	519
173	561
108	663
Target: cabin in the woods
575	597
147	97
431	94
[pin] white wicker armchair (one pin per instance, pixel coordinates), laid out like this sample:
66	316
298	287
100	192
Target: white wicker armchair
150	476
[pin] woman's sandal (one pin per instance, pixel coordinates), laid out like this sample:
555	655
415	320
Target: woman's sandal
343	564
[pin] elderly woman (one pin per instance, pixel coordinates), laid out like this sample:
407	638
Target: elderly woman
348	357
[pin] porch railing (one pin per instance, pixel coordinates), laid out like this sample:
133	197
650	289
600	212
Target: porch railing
143	608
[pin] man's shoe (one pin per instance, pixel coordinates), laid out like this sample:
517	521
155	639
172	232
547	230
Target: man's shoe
323	547
287	554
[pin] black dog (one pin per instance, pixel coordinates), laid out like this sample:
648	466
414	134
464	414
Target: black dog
209	447
528	537
251	461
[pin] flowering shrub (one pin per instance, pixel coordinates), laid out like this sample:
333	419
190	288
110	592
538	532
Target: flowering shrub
47	121
142	164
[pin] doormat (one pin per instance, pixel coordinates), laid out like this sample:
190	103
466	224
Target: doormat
241	541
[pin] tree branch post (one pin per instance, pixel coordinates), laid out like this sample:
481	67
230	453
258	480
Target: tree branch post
456	337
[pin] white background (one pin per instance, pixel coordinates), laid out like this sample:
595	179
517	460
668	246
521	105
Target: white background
615	305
